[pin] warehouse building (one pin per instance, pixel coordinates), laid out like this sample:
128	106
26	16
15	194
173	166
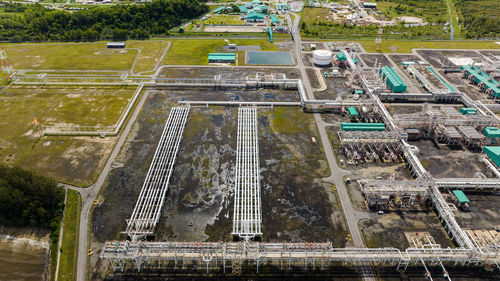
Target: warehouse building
221	58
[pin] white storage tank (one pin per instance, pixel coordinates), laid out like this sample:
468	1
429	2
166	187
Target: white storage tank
322	57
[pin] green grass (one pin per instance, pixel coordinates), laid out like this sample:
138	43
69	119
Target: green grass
85	56
281	124
76	56
389	46
310	15
69	246
151	52
195	51
68	159
223	19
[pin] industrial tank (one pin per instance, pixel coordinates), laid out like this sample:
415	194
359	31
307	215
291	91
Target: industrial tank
322	57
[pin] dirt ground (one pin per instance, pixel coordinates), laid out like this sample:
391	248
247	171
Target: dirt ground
295	203
388	230
398	59
443	161
439	58
313	78
484	212
336	89
404	109
224	72
372	59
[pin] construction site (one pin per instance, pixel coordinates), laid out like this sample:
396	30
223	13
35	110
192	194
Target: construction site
357	165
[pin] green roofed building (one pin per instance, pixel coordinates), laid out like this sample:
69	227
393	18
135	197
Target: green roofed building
492	132
219	10
255	17
243	9
264	8
274	19
461	196
282	6
362	126
466	110
392	80
493	153
352	111
341	57
222	57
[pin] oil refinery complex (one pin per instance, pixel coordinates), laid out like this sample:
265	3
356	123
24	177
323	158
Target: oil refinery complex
403	151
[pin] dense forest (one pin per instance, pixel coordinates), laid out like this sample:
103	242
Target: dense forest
116	22
27	199
480	19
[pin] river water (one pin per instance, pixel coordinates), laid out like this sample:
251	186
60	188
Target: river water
23	259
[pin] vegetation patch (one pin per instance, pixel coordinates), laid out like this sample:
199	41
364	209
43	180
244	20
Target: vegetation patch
69	246
103	22
480	19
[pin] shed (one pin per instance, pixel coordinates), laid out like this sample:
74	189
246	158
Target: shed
115	45
492	132
461	196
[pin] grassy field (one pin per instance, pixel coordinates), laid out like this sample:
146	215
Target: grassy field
75	160
406	46
150	54
195	52
310	15
223	19
84	56
69	246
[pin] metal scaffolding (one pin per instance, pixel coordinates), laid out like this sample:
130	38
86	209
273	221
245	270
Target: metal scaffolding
148	208
247	216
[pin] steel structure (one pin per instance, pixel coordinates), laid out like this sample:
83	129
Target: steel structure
148	208
221	256
247	217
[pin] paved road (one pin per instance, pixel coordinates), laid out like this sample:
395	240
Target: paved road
90	194
352	216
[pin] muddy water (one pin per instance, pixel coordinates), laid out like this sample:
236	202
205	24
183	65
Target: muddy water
23	259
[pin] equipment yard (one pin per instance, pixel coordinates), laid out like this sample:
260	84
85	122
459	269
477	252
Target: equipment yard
333	163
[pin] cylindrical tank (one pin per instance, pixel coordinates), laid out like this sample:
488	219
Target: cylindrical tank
322	57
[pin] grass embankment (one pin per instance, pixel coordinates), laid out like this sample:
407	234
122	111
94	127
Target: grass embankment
84	56
73	160
69	246
195	52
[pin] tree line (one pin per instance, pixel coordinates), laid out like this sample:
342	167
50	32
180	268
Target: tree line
28	199
114	22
